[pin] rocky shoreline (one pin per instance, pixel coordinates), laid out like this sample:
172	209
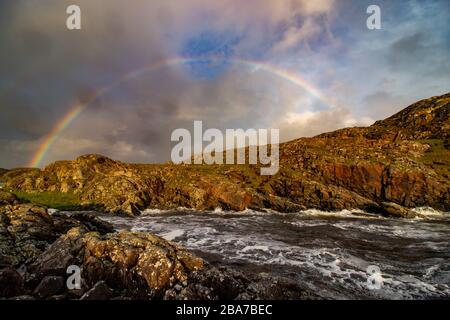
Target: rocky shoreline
389	168
36	249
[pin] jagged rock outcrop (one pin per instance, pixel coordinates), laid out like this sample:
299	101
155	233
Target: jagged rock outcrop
26	230
142	263
426	119
404	159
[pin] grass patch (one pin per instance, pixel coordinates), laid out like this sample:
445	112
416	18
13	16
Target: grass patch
54	200
438	157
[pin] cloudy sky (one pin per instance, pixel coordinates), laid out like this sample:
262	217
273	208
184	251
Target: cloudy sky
358	75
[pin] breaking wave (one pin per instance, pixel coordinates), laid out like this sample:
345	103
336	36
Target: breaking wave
326	252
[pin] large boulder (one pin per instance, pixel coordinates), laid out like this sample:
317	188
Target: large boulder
49	286
100	291
27	230
11	282
395	210
140	263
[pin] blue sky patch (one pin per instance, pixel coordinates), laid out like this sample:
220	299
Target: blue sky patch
211	52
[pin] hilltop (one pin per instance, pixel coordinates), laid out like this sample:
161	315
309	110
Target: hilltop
398	163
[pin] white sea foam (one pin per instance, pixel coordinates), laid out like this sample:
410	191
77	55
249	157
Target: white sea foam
355	213
52	211
156	211
171	235
427	212
153	211
256	247
431	270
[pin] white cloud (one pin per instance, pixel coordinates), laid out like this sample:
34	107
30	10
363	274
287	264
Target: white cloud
310	123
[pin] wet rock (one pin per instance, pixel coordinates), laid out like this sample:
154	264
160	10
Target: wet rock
100	291
23	297
6	261
49	286
11	283
25	231
58	297
59	255
213	283
141	263
269	288
177	287
92	222
395	210
121	298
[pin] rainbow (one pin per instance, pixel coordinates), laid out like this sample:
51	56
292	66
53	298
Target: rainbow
76	109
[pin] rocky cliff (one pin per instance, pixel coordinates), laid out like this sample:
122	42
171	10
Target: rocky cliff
395	164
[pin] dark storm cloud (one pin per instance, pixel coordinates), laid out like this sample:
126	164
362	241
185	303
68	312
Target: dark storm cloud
45	70
17	120
407	50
